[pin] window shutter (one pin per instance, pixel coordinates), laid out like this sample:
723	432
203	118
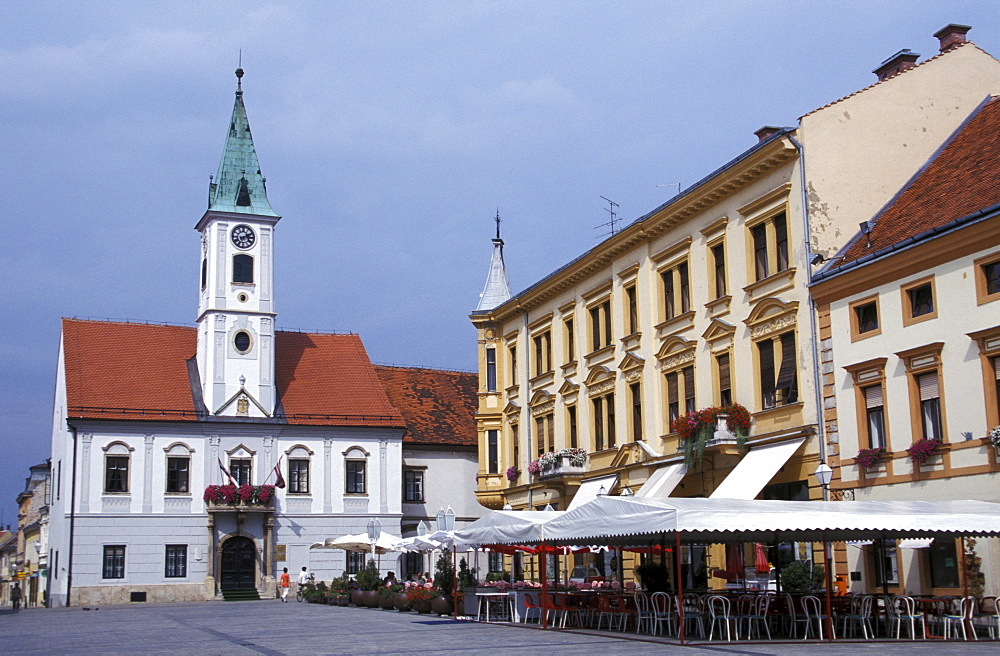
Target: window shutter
673	395
766	349
688	382
724	381
928	385
996	367
873	397
786	375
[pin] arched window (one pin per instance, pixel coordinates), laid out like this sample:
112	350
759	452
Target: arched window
298	469
356	471
178	475
204	272
117	456
242	268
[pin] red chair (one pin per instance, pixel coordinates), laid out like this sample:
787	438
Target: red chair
531	605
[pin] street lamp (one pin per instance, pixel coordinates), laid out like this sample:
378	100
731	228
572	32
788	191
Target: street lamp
627	492
603	492
374	532
507	506
446	519
824	474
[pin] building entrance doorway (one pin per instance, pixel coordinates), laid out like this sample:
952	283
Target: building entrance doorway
239	564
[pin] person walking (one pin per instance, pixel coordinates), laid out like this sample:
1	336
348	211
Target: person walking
304	578
15	596
286	582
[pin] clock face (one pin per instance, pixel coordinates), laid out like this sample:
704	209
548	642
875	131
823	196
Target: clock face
243	236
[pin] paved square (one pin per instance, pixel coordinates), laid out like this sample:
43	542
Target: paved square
272	628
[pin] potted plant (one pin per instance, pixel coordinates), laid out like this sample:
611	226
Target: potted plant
468	586
444	579
512	473
922	450
798	577
869	458
697	429
368	580
995	439
387	596
419	596
653	576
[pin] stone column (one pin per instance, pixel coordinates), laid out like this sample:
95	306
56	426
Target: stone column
267	578
383	470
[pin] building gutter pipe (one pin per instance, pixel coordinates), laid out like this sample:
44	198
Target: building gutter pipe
527	397
814	333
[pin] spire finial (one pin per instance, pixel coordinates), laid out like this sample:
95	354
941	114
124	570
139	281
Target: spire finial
239	78
498	222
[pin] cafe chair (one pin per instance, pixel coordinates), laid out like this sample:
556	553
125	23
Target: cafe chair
812	607
643	613
860	616
755	616
987	616
530	604
718	612
904	614
663	614
793	617
694	614
962	619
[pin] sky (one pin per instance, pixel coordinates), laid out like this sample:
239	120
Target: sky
391	134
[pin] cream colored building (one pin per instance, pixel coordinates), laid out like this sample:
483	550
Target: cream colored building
910	321
704	301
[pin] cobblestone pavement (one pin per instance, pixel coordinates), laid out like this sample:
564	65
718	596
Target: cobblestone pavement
272	628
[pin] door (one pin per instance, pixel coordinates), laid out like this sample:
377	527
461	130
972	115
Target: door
239	564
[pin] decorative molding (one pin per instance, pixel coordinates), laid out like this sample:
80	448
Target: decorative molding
767	201
355	447
675	250
599	290
711	229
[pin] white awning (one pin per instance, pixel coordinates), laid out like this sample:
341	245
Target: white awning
914	543
506	527
628	521
662	482
588	490
755	470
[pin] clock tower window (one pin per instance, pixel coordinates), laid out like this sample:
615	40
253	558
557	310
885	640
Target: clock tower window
204	272
242	268
242	341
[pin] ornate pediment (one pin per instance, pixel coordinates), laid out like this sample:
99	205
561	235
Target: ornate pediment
675	352
629	453
600	380
631	361
569	388
718	330
511	409
242	400
771	315
542	403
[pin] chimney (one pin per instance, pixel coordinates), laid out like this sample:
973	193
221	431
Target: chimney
952	36
766	132
901	61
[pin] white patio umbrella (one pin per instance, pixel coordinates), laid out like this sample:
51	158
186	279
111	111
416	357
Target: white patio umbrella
360	542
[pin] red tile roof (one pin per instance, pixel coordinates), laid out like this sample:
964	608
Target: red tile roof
439	406
963	178
139	371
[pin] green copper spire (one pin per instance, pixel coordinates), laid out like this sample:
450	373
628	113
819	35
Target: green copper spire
239	185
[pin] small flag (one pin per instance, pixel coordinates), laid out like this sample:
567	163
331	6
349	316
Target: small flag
279	479
226	472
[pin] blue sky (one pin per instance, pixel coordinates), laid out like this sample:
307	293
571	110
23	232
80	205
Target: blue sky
390	133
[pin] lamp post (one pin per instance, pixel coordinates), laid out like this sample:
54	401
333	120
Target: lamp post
603	492
824	474
627	492
374	532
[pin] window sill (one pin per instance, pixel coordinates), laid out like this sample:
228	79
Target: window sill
542	379
857	337
771	285
631	342
600	355
414	502
678	324
174	494
719	306
298	495
356	495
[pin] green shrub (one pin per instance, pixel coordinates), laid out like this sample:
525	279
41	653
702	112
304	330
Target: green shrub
444	574
466	575
368	578
797	577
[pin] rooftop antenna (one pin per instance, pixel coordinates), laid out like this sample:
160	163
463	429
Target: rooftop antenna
498	223
673	184
239	73
614	217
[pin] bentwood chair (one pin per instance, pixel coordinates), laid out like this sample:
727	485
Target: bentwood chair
530	604
961	619
643	613
755	616
694	614
812	607
904	613
719	615
860	616
794	617
663	613
987	616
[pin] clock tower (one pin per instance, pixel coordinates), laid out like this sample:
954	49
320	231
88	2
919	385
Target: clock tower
236	311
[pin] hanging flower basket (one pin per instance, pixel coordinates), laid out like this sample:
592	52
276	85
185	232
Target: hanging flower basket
869	458
922	450
698	428
243	495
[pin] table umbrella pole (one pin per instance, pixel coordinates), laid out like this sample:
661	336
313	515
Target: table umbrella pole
680	587
544	599
829	584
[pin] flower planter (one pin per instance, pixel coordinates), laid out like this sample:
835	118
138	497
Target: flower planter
356	596
399	602
421	606
442	605
387	602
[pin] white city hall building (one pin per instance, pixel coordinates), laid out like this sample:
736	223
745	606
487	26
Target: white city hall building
146	417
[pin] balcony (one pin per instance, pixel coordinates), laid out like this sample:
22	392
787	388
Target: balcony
565	462
242	498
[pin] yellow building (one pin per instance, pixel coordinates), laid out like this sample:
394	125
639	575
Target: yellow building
701	303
